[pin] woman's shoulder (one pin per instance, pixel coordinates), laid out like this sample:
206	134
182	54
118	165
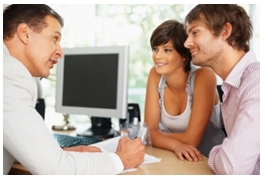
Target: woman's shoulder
206	70
153	75
153	71
205	77
205	73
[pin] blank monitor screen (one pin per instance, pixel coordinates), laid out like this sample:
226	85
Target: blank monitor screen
93	81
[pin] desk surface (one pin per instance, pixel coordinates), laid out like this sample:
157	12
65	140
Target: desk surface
169	165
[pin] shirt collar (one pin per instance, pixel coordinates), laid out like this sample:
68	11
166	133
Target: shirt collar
234	77
5	50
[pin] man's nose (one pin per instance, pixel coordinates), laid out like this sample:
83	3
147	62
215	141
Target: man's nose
59	52
188	43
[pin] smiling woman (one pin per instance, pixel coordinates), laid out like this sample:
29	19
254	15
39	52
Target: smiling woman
176	94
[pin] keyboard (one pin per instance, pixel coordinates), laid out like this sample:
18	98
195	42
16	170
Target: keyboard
71	141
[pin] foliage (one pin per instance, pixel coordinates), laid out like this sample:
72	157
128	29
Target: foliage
142	19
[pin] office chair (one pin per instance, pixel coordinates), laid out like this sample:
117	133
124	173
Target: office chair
40	103
40	107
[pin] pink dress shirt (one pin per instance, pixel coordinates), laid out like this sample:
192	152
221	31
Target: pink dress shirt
240	151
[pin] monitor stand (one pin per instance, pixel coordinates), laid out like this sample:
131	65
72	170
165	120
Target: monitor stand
101	128
65	127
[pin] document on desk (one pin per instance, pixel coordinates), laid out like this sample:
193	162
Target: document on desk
110	145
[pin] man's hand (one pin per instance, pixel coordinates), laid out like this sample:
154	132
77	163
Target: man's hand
131	152
82	148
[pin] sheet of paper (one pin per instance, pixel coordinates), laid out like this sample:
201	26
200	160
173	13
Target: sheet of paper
110	145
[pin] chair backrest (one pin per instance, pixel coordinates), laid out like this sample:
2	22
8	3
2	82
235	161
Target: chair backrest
40	107
40	103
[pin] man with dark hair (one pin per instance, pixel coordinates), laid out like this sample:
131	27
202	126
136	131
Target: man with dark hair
218	37
31	47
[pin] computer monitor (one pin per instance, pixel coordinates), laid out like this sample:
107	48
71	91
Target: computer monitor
94	81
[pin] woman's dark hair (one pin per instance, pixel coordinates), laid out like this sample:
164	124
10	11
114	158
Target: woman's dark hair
172	30
215	16
31	14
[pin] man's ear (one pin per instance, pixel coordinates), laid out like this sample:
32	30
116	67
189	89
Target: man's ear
23	32
227	30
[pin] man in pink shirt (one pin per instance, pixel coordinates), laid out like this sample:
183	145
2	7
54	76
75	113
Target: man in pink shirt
218	37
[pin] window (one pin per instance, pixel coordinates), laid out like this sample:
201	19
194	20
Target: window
122	24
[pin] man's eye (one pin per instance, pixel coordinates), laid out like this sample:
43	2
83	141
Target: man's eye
55	39
194	32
